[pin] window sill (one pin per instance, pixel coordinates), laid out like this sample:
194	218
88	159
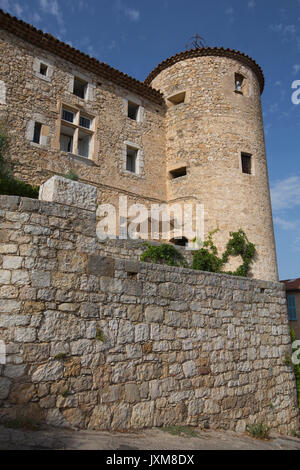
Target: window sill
43	77
85	160
239	92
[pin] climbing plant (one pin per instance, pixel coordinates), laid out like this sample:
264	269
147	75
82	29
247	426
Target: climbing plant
207	259
163	254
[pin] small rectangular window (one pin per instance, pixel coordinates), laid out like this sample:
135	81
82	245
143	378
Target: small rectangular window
247	163
131	159
67	115
178	173
292	308
66	139
84	141
178	98
80	88
239	83
133	110
85	122
43	69
37	133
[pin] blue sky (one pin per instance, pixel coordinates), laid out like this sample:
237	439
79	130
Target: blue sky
135	35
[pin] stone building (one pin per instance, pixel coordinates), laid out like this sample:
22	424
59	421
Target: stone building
192	131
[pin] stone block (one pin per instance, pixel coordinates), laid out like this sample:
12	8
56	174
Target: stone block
154	314
71	193
101	266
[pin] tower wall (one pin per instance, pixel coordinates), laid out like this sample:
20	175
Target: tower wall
207	133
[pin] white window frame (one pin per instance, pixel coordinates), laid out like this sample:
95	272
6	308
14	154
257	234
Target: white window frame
75	126
44	136
139	164
90	87
37	67
141	111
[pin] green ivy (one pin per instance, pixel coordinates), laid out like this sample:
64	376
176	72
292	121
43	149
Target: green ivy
163	254
207	259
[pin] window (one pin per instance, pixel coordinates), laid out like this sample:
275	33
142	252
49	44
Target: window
76	134
85	122
292	309
131	159
133	110
43	69
66	139
246	163
80	88
68	115
37	133
239	83
178	173
178	98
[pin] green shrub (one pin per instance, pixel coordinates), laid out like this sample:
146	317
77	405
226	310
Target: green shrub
12	187
71	175
8	184
163	254
258	431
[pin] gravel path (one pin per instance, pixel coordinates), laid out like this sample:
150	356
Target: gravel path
150	439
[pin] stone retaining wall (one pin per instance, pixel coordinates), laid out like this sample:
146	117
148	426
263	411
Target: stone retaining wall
98	342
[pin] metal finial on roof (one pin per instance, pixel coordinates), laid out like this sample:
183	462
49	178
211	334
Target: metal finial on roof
195	42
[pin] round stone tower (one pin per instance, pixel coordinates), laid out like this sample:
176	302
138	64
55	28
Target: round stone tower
215	146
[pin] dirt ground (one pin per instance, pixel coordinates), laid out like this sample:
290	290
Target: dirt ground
49	438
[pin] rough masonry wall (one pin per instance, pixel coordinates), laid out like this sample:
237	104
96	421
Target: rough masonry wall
99	342
207	134
30	97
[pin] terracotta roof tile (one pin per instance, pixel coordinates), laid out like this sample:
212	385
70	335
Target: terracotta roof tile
292	284
208	51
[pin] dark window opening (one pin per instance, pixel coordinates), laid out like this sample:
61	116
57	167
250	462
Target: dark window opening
43	69
239	83
85	122
178	173
80	88
131	158
292	308
246	164
178	98
182	241
37	132
133	110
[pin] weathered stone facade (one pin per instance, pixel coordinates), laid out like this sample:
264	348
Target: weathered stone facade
205	134
97	342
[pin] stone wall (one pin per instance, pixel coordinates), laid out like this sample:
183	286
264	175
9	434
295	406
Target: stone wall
207	134
99	342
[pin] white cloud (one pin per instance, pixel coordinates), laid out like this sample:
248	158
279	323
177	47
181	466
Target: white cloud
131	13
251	4
230	13
296	69
51	7
18	9
285	194
285	224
